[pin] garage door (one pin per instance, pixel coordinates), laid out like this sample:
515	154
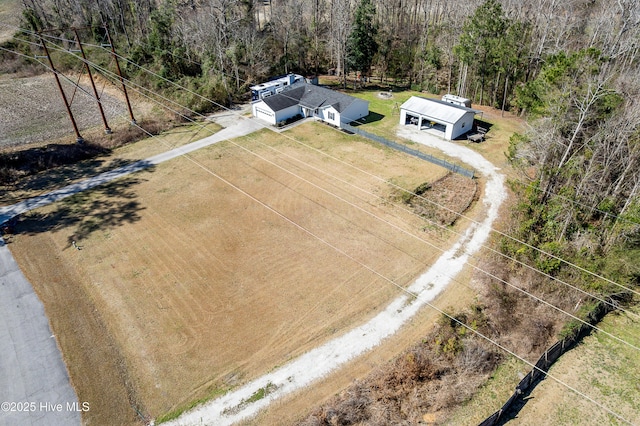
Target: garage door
264	114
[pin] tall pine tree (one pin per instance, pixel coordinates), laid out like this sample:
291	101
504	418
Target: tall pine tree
362	41
481	44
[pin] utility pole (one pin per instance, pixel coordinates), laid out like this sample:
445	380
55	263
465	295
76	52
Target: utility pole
79	138
107	130
124	87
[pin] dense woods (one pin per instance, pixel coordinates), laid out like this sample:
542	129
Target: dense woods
482	50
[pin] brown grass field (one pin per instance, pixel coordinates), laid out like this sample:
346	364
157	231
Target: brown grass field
186	286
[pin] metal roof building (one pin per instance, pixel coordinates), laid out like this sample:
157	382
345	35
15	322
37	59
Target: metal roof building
452	120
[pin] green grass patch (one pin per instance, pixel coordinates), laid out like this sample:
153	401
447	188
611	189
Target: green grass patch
261	393
256	396
492	395
171	415
384	113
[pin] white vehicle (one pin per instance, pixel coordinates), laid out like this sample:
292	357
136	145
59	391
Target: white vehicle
457	100
262	90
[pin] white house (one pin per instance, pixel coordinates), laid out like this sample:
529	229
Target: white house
450	119
309	100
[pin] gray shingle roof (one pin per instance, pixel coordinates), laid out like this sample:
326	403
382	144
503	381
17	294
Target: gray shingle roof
309	96
279	102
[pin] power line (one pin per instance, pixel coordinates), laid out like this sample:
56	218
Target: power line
440	249
343	253
524	291
594	274
592	208
493	250
322	240
440	206
448	229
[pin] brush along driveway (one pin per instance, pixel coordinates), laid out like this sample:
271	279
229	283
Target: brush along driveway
317	363
240	128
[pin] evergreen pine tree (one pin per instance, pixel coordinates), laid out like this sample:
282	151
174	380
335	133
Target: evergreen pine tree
362	41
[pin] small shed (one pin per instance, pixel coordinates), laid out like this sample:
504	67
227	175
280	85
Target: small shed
449	119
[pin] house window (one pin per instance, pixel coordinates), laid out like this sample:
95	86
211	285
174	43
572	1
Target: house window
463	125
331	116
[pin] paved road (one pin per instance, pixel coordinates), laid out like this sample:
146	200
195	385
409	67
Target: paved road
32	373
33	378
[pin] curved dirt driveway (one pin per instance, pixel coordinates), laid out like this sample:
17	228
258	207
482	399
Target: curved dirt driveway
315	364
295	375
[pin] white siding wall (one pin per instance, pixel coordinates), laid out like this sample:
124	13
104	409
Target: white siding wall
287	113
262	111
403	117
462	126
449	131
358	109
327	113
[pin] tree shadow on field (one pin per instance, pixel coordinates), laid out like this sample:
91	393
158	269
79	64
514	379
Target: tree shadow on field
104	207
55	178
45	168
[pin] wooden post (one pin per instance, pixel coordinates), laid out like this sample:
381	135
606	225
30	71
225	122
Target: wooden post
79	138
107	130
124	87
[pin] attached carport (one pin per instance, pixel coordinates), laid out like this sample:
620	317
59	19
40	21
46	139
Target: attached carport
446	120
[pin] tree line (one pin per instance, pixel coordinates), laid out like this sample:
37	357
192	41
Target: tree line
481	50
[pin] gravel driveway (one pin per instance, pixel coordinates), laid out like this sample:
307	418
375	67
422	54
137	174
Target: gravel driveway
319	362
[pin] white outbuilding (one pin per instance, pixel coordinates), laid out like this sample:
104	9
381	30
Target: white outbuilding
432	114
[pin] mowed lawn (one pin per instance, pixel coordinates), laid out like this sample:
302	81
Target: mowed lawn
211	270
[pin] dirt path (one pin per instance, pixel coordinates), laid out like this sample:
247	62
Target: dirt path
315	364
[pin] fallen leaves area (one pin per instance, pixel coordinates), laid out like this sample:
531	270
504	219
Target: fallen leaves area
430	381
444	200
420	385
